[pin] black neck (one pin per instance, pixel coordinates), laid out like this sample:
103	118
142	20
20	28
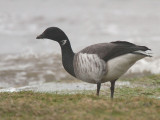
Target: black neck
67	57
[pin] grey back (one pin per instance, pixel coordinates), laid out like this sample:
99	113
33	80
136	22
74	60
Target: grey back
107	51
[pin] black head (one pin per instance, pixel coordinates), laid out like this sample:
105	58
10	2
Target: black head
53	33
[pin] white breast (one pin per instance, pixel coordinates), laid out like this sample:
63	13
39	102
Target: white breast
118	66
89	67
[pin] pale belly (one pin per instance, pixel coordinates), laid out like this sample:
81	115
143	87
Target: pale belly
92	69
119	65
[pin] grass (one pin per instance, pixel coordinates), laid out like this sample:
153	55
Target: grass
130	103
147	80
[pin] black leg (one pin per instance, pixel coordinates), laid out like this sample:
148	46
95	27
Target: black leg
98	88
112	88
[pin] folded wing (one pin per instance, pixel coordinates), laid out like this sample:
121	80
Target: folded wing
107	51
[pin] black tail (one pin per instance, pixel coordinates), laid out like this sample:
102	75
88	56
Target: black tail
144	48
128	44
124	47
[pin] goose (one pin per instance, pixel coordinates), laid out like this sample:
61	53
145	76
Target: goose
98	63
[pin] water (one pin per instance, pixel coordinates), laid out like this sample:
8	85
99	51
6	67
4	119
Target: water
63	87
85	23
28	61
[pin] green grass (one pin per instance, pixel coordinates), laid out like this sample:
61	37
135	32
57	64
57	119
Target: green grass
130	103
126	105
148	80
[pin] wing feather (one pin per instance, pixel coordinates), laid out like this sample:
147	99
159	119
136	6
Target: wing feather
107	51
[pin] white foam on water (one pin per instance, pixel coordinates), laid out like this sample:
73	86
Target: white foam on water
144	65
58	87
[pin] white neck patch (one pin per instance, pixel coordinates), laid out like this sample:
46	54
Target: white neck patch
64	42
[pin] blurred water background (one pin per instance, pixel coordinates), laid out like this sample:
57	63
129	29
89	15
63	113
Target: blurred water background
25	60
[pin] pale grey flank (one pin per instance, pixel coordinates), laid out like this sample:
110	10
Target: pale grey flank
89	67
